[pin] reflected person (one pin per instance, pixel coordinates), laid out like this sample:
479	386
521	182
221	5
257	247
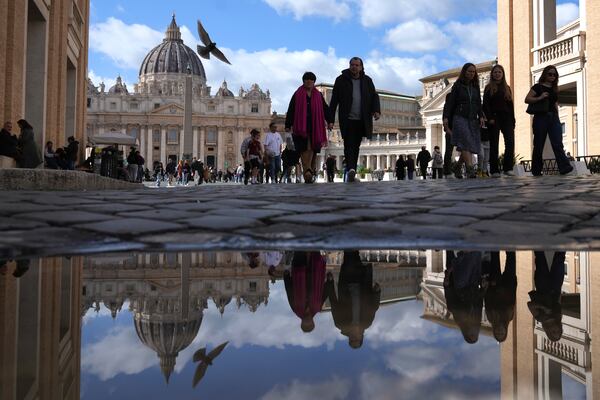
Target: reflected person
464	291
304	286
501	292
545	299
357	302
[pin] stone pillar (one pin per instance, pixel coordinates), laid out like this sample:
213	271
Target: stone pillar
181	143
378	163
187	118
389	161
150	145
195	142
202	154
220	164
368	163
142	139
163	144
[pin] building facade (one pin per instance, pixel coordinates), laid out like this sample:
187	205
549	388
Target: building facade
43	64
528	41
153	112
399	131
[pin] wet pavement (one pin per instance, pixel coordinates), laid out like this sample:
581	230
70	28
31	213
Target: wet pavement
369	324
559	213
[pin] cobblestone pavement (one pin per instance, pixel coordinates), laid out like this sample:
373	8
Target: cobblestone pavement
550	213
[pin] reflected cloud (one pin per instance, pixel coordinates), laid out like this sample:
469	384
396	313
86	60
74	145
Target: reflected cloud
335	389
118	352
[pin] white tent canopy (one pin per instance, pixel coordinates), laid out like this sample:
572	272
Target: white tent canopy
112	138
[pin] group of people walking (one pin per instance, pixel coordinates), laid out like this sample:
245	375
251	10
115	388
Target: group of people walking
473	125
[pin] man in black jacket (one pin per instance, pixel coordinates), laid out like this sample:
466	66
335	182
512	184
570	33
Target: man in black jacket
72	151
358	100
423	159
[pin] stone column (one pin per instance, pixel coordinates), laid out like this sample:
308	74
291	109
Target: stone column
163	144
202	154
220	164
195	142
181	142
378	163
142	141
368	163
150	145
389	161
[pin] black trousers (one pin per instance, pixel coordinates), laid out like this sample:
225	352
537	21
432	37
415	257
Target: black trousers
247	169
423	172
506	125
352	139
330	176
448	155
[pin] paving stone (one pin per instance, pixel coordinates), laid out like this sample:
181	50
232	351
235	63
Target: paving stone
257	213
111	207
130	226
16	224
65	217
503	227
24	207
374	213
304	208
471	211
435	219
287	231
165	214
222	222
316	218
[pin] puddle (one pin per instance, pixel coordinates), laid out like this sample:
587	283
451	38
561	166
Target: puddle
294	325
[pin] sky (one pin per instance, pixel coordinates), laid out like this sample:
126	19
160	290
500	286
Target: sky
273	42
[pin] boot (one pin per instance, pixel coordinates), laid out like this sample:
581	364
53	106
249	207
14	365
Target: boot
471	172
457	169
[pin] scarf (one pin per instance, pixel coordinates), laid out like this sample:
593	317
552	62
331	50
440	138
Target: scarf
318	137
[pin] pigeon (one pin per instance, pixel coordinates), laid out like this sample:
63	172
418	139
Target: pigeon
209	47
205	361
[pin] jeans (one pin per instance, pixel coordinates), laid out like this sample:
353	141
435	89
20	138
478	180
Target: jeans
274	168
352	140
448	155
506	125
247	170
483	157
410	174
548	125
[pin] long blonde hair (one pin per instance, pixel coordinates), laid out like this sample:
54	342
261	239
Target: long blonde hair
493	86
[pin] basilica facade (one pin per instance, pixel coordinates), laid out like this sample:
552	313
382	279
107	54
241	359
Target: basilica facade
153	110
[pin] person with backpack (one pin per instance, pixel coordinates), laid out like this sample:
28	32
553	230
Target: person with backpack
437	167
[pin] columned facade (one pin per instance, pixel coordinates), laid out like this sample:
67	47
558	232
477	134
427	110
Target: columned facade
218	121
528	41
43	66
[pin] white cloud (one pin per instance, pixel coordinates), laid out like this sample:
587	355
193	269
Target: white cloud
565	13
475	41
119	352
374	13
335	389
337	10
126	45
279	70
417	36
109	80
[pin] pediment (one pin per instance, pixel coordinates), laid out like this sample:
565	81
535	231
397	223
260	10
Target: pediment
168	109
437	103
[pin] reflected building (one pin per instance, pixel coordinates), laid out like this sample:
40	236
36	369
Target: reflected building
168	293
40	328
532	365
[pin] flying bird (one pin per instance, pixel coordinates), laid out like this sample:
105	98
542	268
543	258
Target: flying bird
209	47
205	361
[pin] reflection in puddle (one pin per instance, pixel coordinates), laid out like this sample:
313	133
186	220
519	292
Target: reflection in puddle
332	325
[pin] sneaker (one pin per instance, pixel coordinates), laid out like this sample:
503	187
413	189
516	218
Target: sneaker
351	175
571	172
496	175
509	173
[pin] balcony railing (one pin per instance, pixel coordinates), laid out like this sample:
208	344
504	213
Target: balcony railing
561	49
550	167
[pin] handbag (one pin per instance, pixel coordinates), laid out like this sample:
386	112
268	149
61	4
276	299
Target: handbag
540	107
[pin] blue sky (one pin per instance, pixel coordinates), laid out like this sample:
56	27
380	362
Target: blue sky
272	42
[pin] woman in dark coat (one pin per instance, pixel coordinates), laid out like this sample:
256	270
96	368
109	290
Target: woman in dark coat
30	153
307	118
499	110
400	168
463	118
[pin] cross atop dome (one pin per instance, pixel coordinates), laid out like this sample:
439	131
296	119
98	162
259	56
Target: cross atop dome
173	31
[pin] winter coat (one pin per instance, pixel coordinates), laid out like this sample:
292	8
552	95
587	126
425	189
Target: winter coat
8	144
342	97
31	157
